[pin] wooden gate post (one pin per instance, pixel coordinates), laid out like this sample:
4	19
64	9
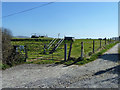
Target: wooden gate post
44	49
26	56
93	46
82	50
110	40
105	41
100	43
14	48
65	52
70	51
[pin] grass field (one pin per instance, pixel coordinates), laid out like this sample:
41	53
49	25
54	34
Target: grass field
36	56
35	49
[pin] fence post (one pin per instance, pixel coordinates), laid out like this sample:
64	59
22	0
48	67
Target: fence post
70	51
100	43
82	50
14	48
93	46
110	40
52	56
44	49
105	41
26	56
65	51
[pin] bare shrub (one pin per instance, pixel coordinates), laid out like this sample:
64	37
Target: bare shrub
6	45
9	55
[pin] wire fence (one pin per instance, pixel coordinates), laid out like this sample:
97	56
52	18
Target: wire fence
38	50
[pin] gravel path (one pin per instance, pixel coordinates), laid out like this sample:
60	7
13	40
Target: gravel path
101	73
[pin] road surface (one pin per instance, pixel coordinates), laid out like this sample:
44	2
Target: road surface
101	73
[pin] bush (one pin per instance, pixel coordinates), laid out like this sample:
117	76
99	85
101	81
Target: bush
6	46
9	55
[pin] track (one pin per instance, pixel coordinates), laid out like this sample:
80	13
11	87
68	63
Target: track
101	73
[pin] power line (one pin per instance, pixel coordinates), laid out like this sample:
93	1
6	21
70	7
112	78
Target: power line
27	10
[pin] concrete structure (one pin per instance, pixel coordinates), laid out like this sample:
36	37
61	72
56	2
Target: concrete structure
116	38
69	38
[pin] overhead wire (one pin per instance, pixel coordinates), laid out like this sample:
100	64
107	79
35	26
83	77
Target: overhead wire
27	10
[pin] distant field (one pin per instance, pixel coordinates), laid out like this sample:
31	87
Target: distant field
32	39
35	49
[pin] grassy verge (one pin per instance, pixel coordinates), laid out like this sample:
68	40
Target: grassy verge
5	66
35	49
119	52
0	65
92	58
17	60
75	61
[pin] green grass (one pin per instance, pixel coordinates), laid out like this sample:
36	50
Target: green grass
92	58
5	66
119	49
36	56
34	38
35	50
1	65
88	47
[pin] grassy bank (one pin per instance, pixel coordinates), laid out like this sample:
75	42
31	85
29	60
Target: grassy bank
73	60
5	66
119	52
92	58
35	49
76	60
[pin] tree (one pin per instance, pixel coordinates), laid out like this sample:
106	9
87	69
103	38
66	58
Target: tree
6	45
9	55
